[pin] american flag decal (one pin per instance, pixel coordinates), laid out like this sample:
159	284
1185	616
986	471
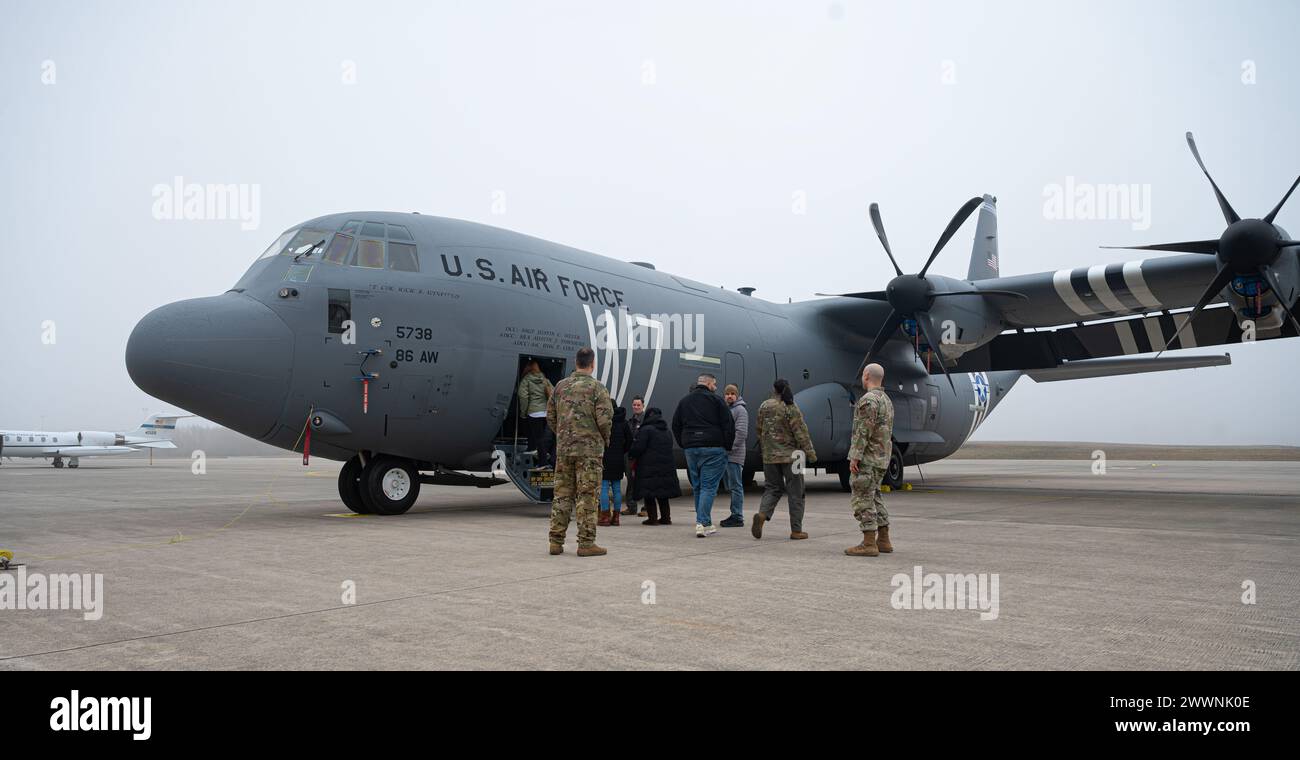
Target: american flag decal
993	262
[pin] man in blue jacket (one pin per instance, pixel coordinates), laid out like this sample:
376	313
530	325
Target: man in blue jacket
704	428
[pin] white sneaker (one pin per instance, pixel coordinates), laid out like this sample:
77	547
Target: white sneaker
699	530
709	531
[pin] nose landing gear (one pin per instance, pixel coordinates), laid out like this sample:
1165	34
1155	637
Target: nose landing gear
384	485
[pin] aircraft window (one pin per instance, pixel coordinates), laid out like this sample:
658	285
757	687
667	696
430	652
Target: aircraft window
370	254
397	232
337	253
299	272
340	309
42	439
352	227
373	229
277	246
302	242
402	258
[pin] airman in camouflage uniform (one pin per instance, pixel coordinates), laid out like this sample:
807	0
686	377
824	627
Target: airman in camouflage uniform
787	448
580	413
873	424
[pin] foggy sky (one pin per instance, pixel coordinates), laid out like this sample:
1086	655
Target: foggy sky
679	133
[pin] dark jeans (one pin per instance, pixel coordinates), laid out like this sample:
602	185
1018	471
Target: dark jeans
539	440
779	480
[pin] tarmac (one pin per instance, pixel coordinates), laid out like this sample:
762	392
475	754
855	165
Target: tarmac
255	564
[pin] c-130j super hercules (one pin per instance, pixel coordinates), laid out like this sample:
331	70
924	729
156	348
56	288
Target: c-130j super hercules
442	314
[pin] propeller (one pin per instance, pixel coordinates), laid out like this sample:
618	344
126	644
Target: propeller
912	295
1246	247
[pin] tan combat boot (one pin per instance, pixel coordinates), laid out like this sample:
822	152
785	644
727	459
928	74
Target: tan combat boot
756	525
867	548
797	535
591	551
557	549
882	540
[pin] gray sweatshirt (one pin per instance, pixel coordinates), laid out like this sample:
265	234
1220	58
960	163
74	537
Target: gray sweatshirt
739	413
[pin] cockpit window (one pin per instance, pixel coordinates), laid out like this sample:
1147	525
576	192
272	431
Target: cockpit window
352	227
402	258
307	241
277	246
370	254
372	229
339	248
398	232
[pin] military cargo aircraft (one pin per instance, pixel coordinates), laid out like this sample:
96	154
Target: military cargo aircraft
394	342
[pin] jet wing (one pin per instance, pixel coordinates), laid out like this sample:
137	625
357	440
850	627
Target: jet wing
1103	291
1044	349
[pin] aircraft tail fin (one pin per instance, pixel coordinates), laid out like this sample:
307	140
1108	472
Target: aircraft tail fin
984	254
159	426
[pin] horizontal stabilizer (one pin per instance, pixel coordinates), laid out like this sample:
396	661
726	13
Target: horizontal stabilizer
154	445
1124	365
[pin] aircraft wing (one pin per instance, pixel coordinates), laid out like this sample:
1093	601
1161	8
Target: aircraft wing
1103	291
1046	349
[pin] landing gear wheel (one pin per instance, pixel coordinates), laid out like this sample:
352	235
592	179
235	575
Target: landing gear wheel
894	473
350	486
74	464
58	464
390	485
845	473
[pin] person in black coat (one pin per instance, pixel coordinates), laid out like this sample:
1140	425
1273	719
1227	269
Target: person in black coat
611	479
656	472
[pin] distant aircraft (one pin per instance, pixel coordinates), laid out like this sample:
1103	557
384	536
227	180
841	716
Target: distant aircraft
153	433
394	342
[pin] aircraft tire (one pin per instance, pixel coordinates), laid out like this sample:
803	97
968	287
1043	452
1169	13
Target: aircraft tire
350	486
845	485
390	485
894	473
58	464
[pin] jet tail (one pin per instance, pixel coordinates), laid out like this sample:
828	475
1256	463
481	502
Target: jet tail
984	254
158	427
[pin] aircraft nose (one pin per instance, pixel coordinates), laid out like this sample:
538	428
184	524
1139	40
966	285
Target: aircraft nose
227	358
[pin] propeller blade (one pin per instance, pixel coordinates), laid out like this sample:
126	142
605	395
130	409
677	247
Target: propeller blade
1269	275
1273	214
1287	243
927	328
1193	246
1006	293
1221	281
965	211
886	330
871	295
1228	213
880	233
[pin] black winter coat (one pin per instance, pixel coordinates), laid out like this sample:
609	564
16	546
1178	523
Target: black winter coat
620	440
703	419
656	472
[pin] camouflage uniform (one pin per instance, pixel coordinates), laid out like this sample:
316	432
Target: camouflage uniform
580	413
781	432
873	423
